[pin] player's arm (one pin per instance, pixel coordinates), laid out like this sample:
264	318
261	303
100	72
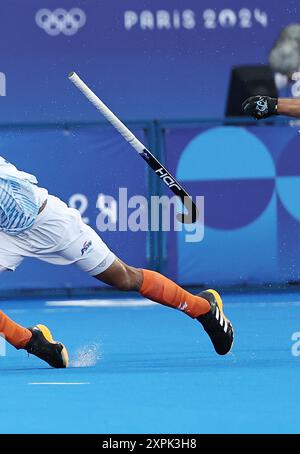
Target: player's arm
288	106
263	107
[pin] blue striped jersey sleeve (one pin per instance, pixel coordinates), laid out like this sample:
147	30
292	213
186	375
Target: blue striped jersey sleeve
18	205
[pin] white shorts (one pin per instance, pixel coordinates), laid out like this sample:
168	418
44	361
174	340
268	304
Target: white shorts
58	236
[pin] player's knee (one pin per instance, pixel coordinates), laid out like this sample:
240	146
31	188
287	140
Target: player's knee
130	279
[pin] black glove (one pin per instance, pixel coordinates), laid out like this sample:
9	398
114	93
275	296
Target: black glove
260	106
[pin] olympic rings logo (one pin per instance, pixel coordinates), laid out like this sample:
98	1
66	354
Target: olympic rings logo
60	21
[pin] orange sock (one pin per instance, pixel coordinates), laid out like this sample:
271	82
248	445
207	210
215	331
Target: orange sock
15	334
158	288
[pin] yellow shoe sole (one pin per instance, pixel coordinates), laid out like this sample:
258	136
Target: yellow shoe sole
217	297
219	301
47	333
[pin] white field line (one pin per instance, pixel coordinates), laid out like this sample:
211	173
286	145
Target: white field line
132	302
59	383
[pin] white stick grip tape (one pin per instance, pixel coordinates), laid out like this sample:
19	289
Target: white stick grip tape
106	112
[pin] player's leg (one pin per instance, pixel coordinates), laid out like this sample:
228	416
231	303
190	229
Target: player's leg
154	286
206	307
38	340
13	333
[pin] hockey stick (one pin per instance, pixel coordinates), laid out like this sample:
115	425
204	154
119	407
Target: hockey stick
192	211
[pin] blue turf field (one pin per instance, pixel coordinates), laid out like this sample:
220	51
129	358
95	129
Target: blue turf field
155	371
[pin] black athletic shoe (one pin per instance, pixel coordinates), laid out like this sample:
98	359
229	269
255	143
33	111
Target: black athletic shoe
217	326
44	347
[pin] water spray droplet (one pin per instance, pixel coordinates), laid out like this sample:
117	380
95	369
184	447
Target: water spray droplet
87	356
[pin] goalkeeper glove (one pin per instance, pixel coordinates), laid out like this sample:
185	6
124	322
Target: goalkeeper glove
260	106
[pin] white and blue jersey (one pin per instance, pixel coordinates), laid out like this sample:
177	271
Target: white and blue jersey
57	235
20	199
